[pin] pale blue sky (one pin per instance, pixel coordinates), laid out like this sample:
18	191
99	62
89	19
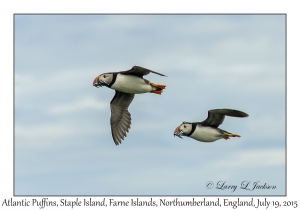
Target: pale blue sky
63	144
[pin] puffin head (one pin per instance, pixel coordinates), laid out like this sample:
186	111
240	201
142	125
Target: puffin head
182	130
103	80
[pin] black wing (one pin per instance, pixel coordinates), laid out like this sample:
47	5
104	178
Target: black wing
217	116
140	71
120	119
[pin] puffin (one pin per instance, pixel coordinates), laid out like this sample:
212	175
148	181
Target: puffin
207	130
126	84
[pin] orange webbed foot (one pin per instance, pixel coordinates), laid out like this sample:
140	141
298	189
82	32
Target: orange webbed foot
159	86
156	92
231	135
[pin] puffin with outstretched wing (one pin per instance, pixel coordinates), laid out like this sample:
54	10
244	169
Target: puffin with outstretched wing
126	84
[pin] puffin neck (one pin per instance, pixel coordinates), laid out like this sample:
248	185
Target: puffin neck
113	80
193	129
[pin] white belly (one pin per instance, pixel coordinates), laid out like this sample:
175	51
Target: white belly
206	134
131	84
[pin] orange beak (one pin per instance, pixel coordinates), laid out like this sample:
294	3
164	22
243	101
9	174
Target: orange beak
176	130
95	81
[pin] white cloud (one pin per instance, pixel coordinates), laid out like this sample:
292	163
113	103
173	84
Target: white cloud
253	158
79	105
58	134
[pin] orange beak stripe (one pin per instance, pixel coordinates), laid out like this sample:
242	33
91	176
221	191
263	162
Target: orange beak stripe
176	130
95	80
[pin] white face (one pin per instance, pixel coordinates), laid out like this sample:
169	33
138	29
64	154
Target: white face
184	129
103	79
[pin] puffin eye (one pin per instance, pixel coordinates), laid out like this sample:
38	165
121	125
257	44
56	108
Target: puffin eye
184	126
104	76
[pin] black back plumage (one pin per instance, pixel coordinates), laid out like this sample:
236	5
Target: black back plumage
139	71
217	116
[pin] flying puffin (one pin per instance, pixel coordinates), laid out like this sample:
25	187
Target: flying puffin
125	84
208	131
